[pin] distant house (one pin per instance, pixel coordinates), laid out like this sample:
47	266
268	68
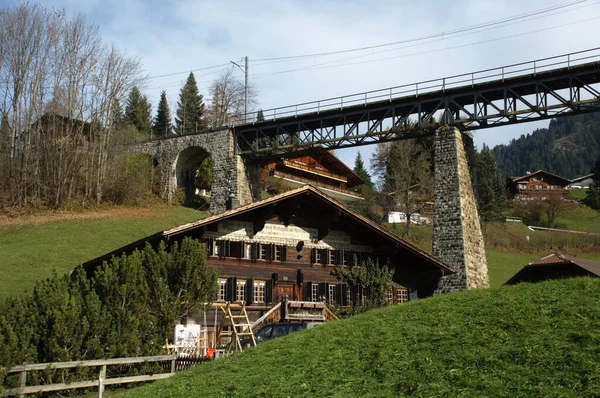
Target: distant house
583	181
555	266
320	168
539	185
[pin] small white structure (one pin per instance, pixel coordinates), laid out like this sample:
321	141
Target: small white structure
399	217
189	340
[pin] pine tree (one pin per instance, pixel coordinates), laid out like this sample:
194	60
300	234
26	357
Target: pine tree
162	122
138	112
489	186
260	117
190	108
592	195
359	169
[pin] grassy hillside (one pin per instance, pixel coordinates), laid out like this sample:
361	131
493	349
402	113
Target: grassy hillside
32	248
521	341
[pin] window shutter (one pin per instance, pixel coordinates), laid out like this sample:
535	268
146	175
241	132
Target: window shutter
343	289
308	291
250	291
231	289
323	291
351	258
227	247
283	253
209	247
338	294
221	245
272	252
313	256
338	256
269	291
324	256
254	251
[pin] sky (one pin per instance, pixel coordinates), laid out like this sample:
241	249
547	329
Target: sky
176	37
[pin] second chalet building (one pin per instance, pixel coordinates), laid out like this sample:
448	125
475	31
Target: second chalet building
286	247
318	167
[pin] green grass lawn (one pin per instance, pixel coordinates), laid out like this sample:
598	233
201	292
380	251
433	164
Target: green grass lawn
577	193
33	251
529	340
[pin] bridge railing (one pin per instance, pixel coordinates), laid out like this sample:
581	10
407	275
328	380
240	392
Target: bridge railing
415	89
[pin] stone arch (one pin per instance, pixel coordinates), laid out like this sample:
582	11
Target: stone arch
189	176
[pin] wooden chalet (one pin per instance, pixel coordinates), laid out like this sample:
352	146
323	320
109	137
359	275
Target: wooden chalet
286	247
320	168
539	185
555	266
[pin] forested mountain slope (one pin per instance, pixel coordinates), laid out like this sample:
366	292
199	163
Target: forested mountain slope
568	147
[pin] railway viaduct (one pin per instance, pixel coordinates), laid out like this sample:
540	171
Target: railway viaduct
447	108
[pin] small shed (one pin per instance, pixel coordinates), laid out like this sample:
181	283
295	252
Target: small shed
555	266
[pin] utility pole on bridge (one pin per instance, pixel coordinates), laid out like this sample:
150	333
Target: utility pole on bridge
245	70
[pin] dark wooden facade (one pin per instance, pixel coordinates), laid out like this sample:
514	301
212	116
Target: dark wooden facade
320	168
288	245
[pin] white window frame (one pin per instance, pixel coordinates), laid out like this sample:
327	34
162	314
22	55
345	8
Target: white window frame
314	294
331	288
222	289
241	290
260	288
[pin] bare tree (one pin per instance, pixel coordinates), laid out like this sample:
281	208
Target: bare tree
227	100
405	176
58	84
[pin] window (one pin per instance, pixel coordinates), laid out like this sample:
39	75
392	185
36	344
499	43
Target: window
345	258
248	251
236	249
332	254
314	293
263	252
318	258
390	296
259	291
222	289
280	253
349	296
332	295
401	295
241	290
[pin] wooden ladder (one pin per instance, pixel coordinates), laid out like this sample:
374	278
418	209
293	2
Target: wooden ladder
235	326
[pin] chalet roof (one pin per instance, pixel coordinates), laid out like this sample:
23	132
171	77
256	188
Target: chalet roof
328	158
315	193
556	260
585	177
527	176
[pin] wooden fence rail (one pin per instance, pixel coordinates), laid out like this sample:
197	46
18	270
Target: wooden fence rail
102	380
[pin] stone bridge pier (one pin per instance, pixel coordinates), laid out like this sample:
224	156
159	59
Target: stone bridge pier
457	237
177	159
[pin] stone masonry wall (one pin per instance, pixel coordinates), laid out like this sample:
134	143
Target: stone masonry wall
229	170
457	237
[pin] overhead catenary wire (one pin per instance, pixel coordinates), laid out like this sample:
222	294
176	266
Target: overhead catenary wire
327	64
435	35
446	34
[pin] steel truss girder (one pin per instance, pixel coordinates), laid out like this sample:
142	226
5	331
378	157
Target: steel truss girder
528	98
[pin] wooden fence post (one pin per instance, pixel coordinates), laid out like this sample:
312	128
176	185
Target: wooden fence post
22	382
101	378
